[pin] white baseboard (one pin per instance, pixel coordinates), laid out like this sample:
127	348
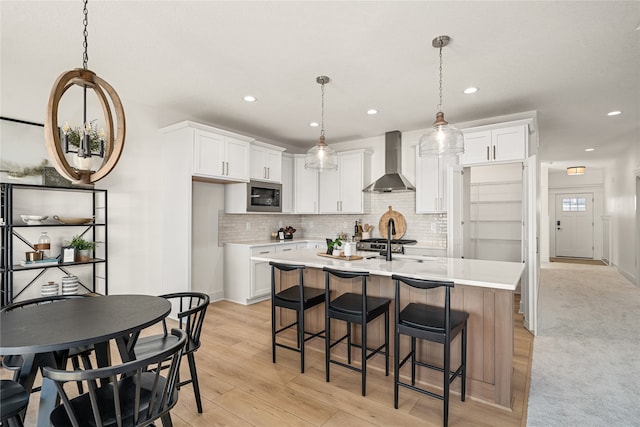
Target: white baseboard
630	277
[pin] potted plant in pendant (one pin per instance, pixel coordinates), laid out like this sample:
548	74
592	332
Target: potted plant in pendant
82	248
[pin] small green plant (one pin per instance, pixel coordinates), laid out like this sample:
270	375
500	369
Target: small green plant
74	135
334	244
79	244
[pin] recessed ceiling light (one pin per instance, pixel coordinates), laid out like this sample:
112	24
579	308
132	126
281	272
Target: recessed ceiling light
589	149
372	111
250	98
314	124
470	90
614	113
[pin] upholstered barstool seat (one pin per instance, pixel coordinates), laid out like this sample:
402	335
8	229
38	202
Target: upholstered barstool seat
431	323
297	297
355	308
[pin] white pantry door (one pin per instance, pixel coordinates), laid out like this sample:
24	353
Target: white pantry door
574	225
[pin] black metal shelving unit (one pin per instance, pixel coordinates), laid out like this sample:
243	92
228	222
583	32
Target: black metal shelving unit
12	228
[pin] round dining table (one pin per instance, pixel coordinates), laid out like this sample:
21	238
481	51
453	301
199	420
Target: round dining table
43	334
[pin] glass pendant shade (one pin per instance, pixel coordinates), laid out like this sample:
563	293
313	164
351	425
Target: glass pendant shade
321	157
442	139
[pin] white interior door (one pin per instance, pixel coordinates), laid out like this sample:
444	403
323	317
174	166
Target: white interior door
574	225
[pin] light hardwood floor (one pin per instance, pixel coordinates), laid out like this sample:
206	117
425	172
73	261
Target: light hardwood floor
240	386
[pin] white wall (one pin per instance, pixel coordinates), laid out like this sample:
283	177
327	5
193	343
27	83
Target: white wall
620	184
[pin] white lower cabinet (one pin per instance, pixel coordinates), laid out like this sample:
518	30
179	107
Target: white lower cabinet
247	281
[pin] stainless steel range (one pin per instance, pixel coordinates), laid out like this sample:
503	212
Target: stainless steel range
380	245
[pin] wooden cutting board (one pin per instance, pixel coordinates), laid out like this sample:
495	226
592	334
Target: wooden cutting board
398	218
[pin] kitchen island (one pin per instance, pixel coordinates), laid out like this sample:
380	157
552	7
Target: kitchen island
482	288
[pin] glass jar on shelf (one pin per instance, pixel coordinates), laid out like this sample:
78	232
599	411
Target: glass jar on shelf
44	245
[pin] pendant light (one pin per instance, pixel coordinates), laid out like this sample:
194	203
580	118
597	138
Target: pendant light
321	157
442	139
108	144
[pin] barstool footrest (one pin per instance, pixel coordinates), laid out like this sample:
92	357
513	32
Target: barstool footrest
284	328
421	390
452	374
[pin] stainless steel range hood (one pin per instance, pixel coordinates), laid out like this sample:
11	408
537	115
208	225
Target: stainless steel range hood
392	180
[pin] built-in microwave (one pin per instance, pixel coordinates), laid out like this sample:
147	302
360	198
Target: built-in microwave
264	197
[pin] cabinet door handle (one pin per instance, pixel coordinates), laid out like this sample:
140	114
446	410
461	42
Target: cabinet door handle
268	173
227	168
338	205
494	152
488	153
222	172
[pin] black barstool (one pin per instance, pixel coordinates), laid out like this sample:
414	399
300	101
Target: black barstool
297	297
355	308
431	323
13	400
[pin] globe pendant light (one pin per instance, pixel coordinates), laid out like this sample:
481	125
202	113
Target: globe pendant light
321	157
442	139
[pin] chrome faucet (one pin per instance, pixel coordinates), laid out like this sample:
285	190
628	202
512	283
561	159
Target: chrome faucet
391	229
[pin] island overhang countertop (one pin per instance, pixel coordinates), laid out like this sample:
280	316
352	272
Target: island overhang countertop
482	288
471	272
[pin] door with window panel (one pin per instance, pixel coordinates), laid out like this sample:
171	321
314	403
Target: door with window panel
574	225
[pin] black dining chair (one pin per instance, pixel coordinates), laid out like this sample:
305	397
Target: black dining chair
297	297
192	307
430	323
355	308
127	395
15	362
13	401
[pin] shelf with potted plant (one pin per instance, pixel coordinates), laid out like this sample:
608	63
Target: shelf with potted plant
92	229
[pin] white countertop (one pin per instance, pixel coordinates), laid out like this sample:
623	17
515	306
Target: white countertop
471	272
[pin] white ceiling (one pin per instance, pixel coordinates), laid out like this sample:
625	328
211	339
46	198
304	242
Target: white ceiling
572	62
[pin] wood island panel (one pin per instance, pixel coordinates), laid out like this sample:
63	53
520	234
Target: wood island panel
489	339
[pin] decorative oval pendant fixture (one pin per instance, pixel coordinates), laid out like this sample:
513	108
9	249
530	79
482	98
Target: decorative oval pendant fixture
90	143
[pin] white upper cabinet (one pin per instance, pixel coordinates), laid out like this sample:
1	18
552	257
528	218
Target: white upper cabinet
305	188
220	156
286	195
341	190
266	162
503	142
431	182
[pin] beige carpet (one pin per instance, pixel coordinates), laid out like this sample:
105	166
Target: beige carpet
586	357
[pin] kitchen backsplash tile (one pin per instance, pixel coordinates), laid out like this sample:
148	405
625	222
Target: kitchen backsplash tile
233	227
427	229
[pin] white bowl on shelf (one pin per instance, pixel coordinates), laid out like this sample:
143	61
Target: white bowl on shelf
34	219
